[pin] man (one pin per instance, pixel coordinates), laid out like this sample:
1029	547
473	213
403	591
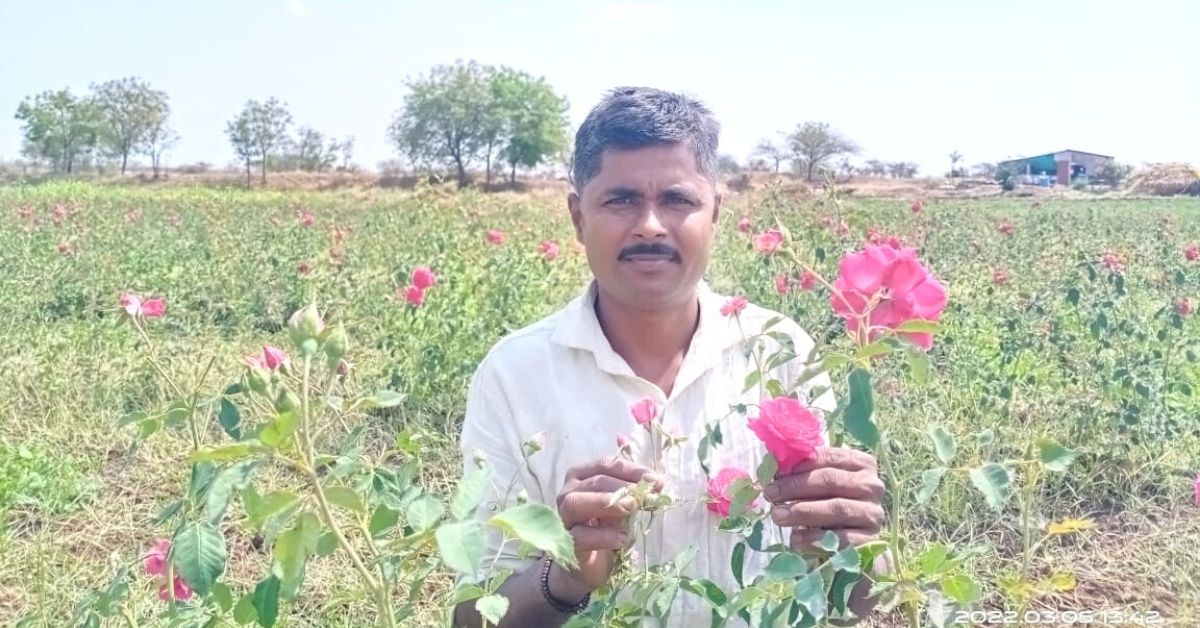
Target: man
645	207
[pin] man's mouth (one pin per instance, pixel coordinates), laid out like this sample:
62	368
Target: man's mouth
649	253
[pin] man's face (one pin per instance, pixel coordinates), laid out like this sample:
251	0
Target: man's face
647	221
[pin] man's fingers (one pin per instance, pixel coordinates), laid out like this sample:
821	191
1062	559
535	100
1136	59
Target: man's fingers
614	467
839	457
830	513
581	506
591	539
805	538
826	483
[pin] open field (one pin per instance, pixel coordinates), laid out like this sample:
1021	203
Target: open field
1069	347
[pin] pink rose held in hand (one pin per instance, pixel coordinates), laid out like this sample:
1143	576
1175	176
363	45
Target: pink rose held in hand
720	490
907	291
644	412
791	432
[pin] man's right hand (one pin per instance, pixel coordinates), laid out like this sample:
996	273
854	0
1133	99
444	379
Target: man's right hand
598	527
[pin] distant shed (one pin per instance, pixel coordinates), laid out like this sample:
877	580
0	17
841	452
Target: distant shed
1066	166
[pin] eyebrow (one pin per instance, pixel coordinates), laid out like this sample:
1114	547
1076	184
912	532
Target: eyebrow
674	190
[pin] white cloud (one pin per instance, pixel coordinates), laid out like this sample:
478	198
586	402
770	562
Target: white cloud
297	10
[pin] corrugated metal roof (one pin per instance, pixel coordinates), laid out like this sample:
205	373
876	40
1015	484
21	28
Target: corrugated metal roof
1051	155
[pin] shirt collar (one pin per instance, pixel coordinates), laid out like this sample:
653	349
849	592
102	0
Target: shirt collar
578	328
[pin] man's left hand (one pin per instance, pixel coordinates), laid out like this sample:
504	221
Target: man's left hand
837	490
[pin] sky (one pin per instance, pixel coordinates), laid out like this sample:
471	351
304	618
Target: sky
911	80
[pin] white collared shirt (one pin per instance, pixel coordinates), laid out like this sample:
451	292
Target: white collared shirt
560	376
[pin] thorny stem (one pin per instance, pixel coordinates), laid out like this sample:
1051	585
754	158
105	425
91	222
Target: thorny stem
895	527
383	602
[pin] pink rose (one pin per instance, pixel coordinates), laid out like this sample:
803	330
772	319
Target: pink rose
182	590
1112	262
423	277
307	218
1000	277
743	225
734	306
1005	228
135	306
720	490
623	442
304	268
1183	306
791	432
781	283
917	206
769	241
807	281
274	357
414	296
495	237
643	412
907	291
549	250
155	563
1192	253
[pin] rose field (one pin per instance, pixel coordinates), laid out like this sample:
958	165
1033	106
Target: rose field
1041	454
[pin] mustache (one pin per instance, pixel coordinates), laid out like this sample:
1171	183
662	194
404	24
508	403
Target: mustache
649	248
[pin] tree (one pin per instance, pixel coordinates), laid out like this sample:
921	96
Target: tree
59	128
771	152
347	151
984	170
536	125
846	168
158	139
877	167
814	143
443	117
955	158
728	164
1111	173
129	109
313	152
258	132
902	169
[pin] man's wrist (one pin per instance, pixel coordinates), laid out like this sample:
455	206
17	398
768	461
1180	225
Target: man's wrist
564	586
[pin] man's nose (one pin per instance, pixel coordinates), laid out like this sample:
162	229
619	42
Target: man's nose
649	224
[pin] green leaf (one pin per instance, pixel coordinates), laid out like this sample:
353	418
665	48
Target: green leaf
382	520
775	388
133	417
539	526
469	493
943	444
785	566
858	414
345	497
918	366
744	493
809	592
327	544
177	414
261	509
381	399
992	480
281	427
222	596
706	589
1073	296
767	469
198	553
467	591
243	611
962	589
737	561
292	549
229	452
230	418
423	512
828	541
985	437
492	607
834	361
930	480
934	560
872	350
461	545
751	380
919	327
223	487
266	601
1054	457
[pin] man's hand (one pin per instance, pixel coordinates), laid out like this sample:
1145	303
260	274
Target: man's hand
597	526
838	490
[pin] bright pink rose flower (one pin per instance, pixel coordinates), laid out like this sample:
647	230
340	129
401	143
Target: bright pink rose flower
791	432
643	412
719	489
1192	253
907	291
182	590
549	250
1183	307
781	283
423	277
495	236
769	241
415	296
135	306
807	281
734	306
155	563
